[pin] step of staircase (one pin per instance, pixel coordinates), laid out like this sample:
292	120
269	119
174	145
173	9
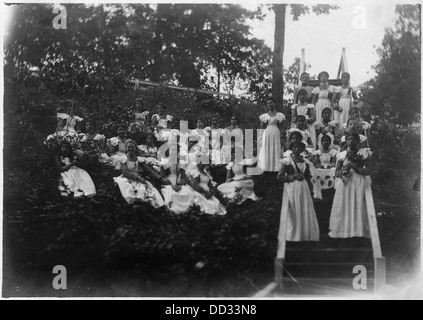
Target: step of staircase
318	287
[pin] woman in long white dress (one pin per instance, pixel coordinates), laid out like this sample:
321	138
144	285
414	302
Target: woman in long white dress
134	187
178	196
270	152
323	95
73	180
215	133
233	137
348	216
296	173
345	96
238	186
204	187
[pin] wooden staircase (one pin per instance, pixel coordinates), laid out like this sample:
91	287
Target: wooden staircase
326	268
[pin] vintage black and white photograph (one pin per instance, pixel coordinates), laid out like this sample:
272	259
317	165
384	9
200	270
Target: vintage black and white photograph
246	149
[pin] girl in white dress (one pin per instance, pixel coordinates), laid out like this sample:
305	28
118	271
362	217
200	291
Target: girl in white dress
345	96
327	126
216	136
73	180
133	187
233	137
353	126
178	196
302	108
238	186
204	187
160	121
322	95
117	147
348	217
149	152
296	174
270	152
324	161
140	115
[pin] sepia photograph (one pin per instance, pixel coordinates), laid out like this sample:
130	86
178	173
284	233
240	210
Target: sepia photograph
247	150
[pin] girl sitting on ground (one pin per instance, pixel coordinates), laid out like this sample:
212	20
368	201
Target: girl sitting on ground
73	180
132	185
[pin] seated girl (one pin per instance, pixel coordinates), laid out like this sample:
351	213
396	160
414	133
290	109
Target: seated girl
132	185
73	180
324	161
117	147
296	173
328	126
353	126
297	135
202	183
161	121
294	135
364	127
178	196
302	108
149	152
140	126
93	144
68	122
238	186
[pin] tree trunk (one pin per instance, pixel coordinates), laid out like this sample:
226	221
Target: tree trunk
277	85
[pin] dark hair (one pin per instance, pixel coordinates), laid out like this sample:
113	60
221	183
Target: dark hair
139	100
323	72
270	98
326	109
122	127
350	119
298	94
215	116
64	142
162	105
352	134
293	144
345	74
91	121
236	117
325	136
295	133
354	108
301	117
303	74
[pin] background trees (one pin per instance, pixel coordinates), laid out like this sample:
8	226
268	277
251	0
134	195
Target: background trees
394	93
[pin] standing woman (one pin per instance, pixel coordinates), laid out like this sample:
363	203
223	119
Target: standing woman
348	217
344	99
232	131
322	95
304	86
270	152
296	173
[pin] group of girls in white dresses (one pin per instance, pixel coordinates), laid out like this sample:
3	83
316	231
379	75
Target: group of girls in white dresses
324	152
328	149
175	185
